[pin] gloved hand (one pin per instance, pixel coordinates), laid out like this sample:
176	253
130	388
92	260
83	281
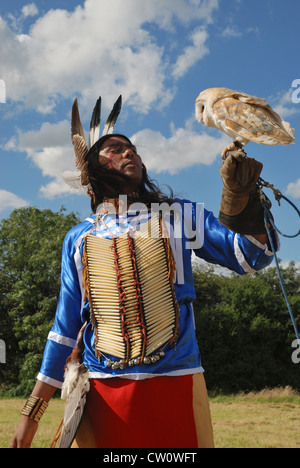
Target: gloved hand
240	209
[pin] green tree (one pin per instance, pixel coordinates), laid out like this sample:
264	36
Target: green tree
30	255
244	329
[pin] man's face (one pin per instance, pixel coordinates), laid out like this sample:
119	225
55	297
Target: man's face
118	154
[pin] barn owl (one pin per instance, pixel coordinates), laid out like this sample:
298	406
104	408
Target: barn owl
243	117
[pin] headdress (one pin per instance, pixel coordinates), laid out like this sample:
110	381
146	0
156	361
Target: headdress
80	178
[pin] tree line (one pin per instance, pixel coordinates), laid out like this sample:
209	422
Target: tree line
242	322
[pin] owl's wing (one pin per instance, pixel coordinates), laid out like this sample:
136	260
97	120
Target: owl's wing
256	101
249	118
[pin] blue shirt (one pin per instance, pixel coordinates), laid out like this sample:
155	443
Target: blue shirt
191	229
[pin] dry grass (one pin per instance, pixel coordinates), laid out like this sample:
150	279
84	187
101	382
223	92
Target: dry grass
267	419
10	416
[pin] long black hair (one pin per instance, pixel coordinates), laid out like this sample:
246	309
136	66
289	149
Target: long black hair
106	182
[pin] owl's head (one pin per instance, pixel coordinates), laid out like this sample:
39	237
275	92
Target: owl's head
203	107
199	110
205	102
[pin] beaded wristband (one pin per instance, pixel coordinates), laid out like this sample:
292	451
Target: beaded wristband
34	408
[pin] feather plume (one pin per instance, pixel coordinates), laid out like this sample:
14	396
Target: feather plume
76	386
80	146
73	179
95	123
112	118
80	151
76	127
78	140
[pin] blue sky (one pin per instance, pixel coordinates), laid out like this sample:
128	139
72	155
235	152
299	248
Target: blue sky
159	54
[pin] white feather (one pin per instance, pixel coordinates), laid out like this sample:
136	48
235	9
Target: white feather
72	378
73	179
75	387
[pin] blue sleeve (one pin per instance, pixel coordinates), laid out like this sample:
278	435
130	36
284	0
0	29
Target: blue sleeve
239	253
63	334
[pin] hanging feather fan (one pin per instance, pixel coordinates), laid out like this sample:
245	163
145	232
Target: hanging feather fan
73	179
75	388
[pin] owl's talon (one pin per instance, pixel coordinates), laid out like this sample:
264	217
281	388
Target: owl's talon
235	149
238	144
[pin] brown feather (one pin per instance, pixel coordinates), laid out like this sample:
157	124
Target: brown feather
80	151
76	127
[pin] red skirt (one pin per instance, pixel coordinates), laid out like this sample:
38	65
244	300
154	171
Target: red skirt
160	412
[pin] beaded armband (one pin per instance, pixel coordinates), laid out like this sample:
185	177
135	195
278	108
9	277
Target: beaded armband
34	408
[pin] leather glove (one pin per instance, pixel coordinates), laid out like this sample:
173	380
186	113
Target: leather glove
240	209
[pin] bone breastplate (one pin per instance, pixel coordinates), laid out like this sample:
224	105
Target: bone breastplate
129	282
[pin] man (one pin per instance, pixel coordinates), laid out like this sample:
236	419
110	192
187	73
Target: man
155	397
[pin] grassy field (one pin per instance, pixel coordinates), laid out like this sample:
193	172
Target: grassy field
268	419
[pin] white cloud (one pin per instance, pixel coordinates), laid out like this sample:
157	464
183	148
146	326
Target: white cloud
10	200
48	136
192	53
101	48
104	48
286	263
16	22
284	105
184	149
50	149
293	189
30	10
231	31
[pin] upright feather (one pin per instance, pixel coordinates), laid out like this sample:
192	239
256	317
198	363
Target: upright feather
76	127
79	179
112	118
95	123
78	138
